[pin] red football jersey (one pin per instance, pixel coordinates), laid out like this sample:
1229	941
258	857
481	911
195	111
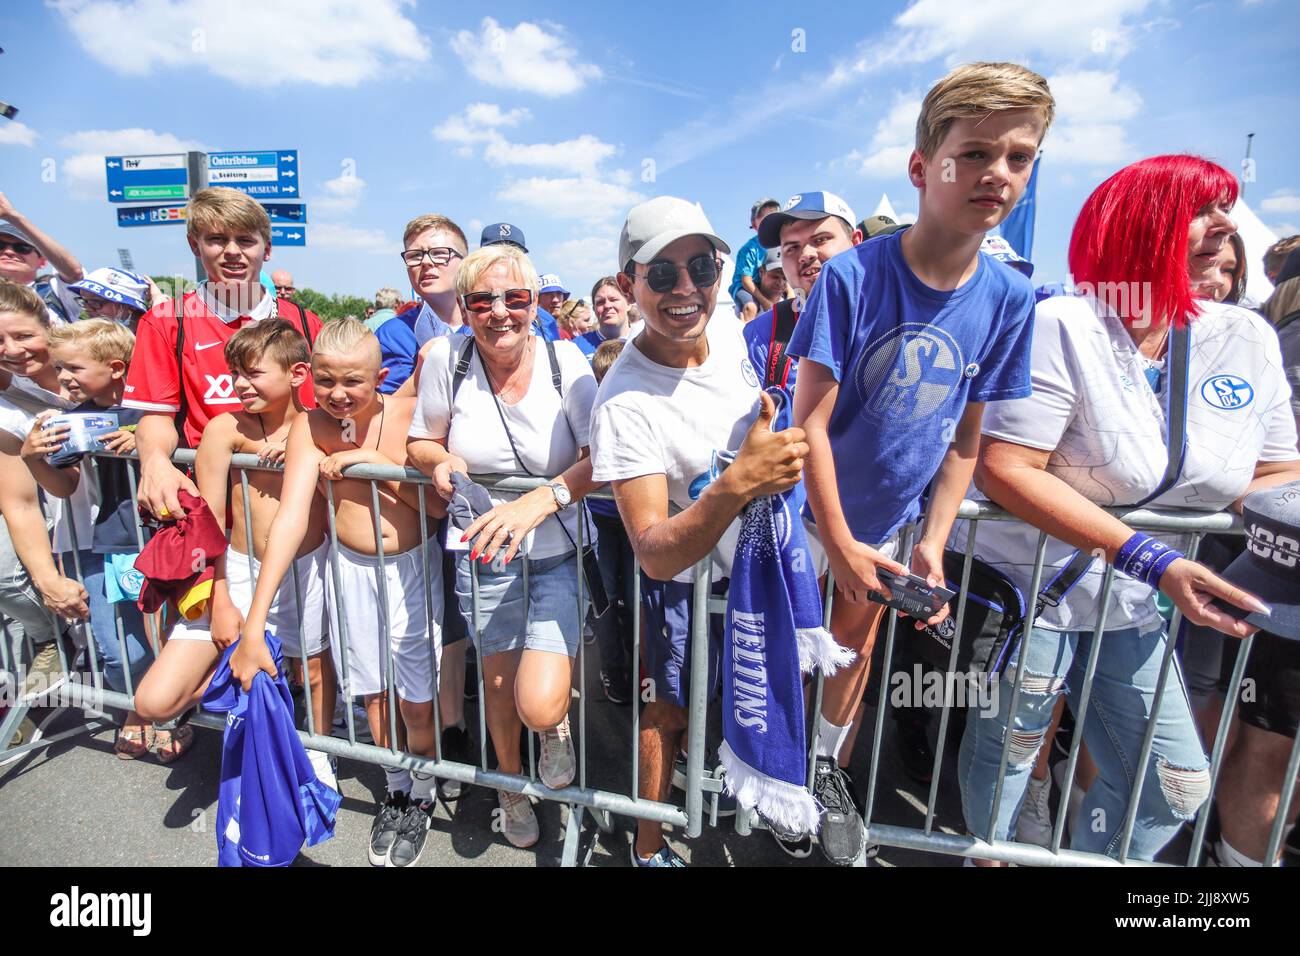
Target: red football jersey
153	382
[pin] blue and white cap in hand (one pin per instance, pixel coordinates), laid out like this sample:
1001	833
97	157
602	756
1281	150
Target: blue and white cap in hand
1269	568
815	205
1000	249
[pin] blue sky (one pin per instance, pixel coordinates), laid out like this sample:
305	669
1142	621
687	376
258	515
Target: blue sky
558	117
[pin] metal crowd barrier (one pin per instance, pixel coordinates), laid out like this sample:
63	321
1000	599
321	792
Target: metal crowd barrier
702	790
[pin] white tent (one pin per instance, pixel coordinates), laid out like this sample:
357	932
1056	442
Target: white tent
1257	237
885	208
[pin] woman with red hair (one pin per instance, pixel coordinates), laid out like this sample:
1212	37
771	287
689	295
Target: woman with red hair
1094	433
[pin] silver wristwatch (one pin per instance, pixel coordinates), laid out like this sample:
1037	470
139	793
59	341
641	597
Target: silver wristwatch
562	497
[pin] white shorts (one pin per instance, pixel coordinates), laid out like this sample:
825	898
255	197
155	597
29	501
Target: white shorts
284	619
413	637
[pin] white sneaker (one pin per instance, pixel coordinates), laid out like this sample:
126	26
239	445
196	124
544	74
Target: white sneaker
518	822
558	763
1035	823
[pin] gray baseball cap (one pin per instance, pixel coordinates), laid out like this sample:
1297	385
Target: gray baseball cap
657	222
7	228
772	260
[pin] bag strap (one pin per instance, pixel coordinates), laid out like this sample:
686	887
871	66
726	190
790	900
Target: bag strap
302	319
467	356
1286	320
183	405
778	362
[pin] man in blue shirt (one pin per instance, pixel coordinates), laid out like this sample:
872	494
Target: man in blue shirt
903	340
744	288
812	228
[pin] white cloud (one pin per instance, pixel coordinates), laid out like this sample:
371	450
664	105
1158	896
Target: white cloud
580	262
1091	105
250	42
333	235
579	197
1281	202
956	30
481	123
526	58
14	133
84	170
887	154
341	194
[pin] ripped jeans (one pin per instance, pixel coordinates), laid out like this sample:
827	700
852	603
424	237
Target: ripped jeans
1177	778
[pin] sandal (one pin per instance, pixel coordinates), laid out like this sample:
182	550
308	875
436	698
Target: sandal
173	744
131	744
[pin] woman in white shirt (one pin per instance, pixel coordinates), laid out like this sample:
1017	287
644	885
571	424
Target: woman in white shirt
519	405
1094	434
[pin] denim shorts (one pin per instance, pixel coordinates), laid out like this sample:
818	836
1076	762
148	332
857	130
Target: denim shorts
553	621
667	616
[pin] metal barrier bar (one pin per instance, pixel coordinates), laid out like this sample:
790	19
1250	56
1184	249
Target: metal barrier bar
584	799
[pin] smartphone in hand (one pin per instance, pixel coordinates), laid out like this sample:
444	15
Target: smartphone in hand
911	594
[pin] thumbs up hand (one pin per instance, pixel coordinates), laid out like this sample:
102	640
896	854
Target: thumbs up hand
768	462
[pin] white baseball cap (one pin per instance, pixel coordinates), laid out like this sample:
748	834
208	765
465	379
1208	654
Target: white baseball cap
655	223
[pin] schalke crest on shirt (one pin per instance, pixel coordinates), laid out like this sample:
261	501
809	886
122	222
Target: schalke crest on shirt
909	373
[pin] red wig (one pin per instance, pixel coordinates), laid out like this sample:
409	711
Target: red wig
1131	235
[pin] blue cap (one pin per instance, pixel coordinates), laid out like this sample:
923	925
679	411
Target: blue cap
816	205
1000	249
116	285
551	283
502	232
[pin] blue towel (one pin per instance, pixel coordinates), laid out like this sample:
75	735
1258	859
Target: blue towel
270	801
774	632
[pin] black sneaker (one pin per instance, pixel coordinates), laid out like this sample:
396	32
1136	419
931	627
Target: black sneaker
797	845
617	686
840	826
412	830
455	748
383	832
912	742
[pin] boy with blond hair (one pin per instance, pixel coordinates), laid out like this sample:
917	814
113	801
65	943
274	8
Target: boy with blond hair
181	381
921	329
356	424
92	357
268	363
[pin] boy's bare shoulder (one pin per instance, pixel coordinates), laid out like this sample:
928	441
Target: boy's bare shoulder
221	431
325	430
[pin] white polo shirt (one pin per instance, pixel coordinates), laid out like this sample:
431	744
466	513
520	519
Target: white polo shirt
1094	410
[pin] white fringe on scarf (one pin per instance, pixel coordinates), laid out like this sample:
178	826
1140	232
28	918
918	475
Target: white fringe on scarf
818	650
786	805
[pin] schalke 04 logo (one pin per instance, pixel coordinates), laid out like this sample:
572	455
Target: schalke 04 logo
909	373
1228	392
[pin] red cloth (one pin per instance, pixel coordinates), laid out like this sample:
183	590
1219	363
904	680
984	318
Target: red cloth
169	560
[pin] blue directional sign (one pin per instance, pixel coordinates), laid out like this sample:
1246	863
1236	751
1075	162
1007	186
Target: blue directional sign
288	236
151	215
294	213
146	178
263	174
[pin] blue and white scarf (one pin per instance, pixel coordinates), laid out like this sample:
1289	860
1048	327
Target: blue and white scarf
774	633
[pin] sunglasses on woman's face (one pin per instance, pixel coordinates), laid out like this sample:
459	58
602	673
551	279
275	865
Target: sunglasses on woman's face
662	277
515	300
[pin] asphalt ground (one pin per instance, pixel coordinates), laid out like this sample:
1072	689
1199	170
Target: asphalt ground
76	803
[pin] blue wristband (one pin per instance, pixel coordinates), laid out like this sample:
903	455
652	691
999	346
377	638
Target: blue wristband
1144	558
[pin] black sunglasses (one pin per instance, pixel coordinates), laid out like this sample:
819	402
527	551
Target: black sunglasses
703	270
22	248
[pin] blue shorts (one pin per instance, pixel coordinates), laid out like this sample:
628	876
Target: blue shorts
553	620
666	606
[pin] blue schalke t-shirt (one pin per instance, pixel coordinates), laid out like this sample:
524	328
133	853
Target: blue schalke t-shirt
908	358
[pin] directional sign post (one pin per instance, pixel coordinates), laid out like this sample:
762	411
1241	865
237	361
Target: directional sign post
147	178
293	213
263	174
288	236
151	215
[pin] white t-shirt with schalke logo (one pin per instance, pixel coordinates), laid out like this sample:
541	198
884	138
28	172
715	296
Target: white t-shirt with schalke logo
1093	409
650	419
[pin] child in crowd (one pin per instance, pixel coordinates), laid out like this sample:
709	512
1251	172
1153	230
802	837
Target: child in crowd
356	424
268	366
926	330
92	357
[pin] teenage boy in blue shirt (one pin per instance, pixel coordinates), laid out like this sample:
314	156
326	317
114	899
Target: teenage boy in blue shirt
903	340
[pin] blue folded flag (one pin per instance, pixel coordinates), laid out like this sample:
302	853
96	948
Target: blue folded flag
270	801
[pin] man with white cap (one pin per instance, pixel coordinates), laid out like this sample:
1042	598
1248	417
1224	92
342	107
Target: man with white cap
24	249
682	390
553	294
